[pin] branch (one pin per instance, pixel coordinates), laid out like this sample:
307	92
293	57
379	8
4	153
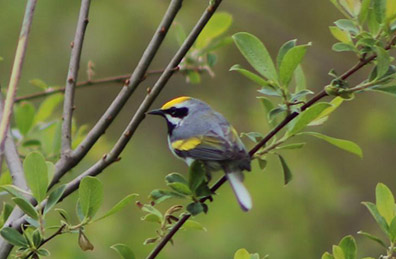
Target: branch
113	155
262	143
16	71
16	171
71	80
58	232
84	84
62	166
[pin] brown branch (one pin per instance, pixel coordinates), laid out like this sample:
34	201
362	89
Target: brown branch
62	166
74	65
84	84
16	71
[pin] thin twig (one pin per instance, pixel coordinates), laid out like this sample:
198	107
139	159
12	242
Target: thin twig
68	104
130	86
86	83
58	232
16	71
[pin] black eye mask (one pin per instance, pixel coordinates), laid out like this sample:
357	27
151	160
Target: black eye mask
177	112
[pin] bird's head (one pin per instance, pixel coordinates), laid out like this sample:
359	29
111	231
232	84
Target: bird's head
176	110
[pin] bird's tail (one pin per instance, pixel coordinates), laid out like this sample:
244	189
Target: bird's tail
242	194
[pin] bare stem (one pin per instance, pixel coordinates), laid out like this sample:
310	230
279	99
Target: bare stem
130	86
87	83
16	71
72	77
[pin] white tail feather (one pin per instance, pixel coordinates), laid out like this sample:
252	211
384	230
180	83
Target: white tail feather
240	191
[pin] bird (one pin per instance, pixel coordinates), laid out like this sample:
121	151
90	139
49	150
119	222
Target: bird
197	132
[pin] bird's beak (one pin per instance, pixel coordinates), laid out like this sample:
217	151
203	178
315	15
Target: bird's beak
156	112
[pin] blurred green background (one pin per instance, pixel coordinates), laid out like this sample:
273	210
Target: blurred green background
300	220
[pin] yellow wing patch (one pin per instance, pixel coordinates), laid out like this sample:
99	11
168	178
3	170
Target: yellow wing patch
186	144
174	102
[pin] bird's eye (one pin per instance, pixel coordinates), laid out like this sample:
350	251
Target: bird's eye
178	112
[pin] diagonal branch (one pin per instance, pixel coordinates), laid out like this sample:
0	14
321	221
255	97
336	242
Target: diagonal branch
113	155
16	72
62	166
72	77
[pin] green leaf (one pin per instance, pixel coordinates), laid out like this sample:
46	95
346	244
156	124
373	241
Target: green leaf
5	178
39	83
195	208
14	191
256	54
268	106
372	22
299	77
193	77
348	246
180	188
47	107
161	195
340	143
270	91
339	34
338	253
340	47
152	218
283	50
326	255
26	207
64	214
392	229
91	196
53	198
306	117
291	146
211	59
13	237
286	170
150	209
51	171
5	213
364	11
383	61
379	7
374	238
377	216
391	90
196	175
253	136
175	178
250	75
335	103
37	238
36	173
24	115
218	24
347	25
262	163
298	96
192	224
124	251
43	252
385	202
119	206
242	254
290	62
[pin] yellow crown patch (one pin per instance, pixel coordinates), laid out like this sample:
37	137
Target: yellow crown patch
174	102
